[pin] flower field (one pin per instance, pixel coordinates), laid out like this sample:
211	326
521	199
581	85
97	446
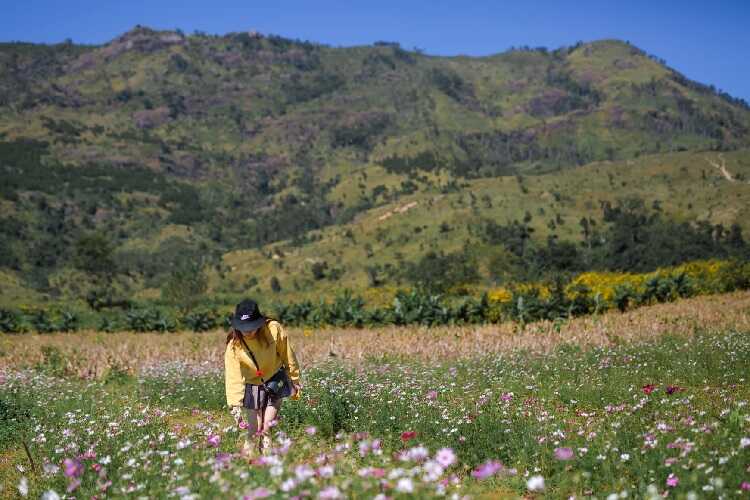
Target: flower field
647	403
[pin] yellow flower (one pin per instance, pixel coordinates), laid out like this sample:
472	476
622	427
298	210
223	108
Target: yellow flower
499	295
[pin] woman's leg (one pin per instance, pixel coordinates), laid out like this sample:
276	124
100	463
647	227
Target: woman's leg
272	411
252	418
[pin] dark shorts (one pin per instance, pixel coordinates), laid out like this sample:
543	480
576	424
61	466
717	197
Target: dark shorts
257	397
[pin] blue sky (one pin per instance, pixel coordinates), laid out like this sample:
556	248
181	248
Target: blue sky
707	41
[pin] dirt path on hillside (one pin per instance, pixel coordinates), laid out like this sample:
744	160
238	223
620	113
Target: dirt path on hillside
722	168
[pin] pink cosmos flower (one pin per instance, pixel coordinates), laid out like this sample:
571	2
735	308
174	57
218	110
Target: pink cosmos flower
564	453
672	480
487	469
310	431
745	486
506	396
213	440
445	457
72	467
375	472
364	448
649	388
259	492
432	395
103	485
243	425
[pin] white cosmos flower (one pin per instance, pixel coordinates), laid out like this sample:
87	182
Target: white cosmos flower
433	471
288	485
535	483
23	486
304	472
50	468
405	485
276	470
326	471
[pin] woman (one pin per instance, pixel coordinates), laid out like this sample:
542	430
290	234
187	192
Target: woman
256	352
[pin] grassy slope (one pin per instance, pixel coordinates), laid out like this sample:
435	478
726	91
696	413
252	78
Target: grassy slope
675	180
238	108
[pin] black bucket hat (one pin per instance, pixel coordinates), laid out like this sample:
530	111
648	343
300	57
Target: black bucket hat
247	316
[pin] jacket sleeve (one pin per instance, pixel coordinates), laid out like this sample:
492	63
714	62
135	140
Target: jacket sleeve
285	351
233	383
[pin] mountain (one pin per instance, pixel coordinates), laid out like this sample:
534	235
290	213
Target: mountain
259	155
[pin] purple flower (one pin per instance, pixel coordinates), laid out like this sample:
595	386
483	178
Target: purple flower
487	469
73	467
745	486
507	396
672	480
432	395
223	459
73	485
564	453
213	440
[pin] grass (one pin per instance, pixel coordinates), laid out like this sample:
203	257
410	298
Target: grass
610	405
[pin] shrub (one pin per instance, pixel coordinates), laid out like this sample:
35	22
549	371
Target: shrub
470	310
69	321
10	321
107	324
149	320
419	306
41	322
624	296
201	321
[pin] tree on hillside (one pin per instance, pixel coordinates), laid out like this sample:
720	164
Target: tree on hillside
186	285
93	254
438	272
639	240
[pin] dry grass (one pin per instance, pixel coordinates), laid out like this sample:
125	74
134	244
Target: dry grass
92	354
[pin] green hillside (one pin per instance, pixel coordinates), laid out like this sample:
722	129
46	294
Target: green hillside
255	156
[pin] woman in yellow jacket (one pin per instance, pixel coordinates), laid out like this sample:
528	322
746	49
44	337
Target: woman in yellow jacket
256	351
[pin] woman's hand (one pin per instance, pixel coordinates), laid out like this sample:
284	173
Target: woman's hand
296	386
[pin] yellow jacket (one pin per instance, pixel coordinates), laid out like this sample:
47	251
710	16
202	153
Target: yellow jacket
239	368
